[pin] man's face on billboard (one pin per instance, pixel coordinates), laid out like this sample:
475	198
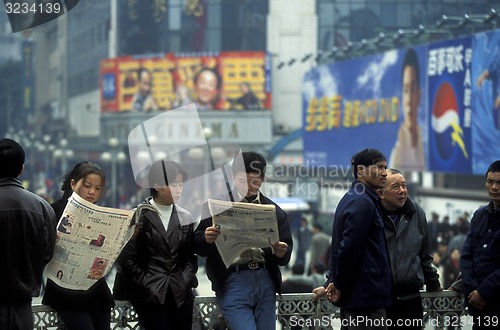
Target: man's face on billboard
411	95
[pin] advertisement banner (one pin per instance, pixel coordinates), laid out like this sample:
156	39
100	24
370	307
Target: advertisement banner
363	103
485	100
446	121
214	81
449	104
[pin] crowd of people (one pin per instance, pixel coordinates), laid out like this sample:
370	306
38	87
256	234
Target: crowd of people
381	253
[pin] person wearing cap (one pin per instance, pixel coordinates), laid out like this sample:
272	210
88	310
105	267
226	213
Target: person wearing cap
246	291
359	278
27	236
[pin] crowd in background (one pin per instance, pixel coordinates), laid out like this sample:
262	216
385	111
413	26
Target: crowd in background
312	254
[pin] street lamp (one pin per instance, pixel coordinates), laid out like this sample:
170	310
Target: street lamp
113	143
63	143
207	156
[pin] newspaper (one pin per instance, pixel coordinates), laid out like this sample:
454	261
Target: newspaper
89	239
242	226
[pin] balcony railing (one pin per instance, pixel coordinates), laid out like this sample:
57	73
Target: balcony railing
441	309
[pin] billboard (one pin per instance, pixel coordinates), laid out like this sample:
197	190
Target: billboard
352	105
214	81
434	107
449	106
485	100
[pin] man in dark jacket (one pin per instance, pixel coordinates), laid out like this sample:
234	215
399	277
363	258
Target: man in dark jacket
27	238
480	259
405	227
359	279
246	291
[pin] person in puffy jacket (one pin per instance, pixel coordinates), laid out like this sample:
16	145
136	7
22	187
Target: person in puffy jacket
157	267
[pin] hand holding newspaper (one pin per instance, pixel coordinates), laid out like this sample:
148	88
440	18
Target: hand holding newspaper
89	239
242	226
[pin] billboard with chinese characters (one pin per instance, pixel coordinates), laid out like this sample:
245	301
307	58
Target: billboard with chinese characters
352	105
449	105
214	81
434	107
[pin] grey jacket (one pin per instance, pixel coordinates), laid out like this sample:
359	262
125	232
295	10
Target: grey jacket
409	252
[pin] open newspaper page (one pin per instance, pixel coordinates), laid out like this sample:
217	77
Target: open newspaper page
242	226
89	239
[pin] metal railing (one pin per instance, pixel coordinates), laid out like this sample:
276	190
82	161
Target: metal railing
441	309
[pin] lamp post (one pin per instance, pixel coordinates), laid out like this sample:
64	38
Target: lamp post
207	156
46	142
113	144
115	157
63	143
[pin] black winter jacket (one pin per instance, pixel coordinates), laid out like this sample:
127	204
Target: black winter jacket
27	240
409	252
480	259
157	259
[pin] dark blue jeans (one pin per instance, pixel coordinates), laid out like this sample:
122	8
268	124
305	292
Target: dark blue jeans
248	300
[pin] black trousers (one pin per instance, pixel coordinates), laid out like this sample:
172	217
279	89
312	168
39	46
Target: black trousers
16	316
166	316
407	314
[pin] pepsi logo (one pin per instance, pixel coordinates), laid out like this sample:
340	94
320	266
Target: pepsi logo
445	120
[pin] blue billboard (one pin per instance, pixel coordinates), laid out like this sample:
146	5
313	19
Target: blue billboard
352	105
433	107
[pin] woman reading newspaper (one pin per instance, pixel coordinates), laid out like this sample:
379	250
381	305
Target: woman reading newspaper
79	309
157	270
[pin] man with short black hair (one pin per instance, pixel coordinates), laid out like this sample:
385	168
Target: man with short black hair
246	291
27	239
480	259
359	279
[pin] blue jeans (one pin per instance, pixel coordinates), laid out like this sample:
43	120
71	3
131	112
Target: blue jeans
248	300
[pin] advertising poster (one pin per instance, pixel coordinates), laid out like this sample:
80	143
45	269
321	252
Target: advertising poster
365	103
214	81
450	105
485	100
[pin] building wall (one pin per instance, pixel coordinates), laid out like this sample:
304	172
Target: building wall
291	30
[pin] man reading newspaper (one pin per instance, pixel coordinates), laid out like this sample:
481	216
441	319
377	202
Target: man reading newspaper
246	290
